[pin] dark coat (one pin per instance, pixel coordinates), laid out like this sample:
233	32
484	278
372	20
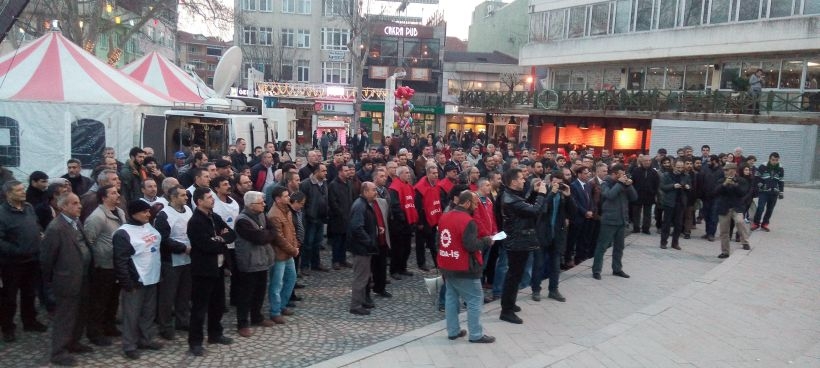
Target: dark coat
339	199
315	200
519	220
646	183
615	198
204	249
19	234
731	196
362	229
398	220
582	198
555	239
670	195
65	266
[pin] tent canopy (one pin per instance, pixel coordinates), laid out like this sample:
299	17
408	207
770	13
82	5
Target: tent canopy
160	73
52	68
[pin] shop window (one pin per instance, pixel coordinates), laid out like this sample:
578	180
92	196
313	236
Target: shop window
87	142
538	27
696	77
612	79
772	70
594	79
720	12
692	12
561	81
9	142
654	77
791	74
748	10
813	74
674	77
635	80
728	75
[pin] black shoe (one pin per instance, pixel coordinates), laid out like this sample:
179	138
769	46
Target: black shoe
406	273
746	247
64	360
114	332
516	308
511	318
635	231
621	274
663	245
687	236
461	333
222	340
368	299
360	311
596	275
78	348
132	354
101	341
35	326
723	255
9	337
151	345
295	298
291	305
197	350
485	339
424	268
298	286
557	296
647	232
366	305
536	296
385	294
441	307
395	276
167	335
181	328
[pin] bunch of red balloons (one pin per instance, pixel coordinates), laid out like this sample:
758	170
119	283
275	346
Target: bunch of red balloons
403	107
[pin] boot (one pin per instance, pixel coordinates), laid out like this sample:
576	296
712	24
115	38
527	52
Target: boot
675	244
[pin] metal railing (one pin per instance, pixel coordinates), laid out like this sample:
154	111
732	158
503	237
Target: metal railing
645	100
318	91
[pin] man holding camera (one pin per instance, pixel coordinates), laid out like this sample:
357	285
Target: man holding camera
616	193
730	192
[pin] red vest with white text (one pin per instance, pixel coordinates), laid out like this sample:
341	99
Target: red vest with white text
451	253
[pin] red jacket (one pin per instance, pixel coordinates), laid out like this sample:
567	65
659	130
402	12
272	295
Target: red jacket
485	219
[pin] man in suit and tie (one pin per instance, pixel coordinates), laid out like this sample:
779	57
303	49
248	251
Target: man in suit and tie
579	237
66	261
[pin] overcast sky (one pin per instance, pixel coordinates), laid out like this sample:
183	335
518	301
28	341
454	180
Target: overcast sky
457	13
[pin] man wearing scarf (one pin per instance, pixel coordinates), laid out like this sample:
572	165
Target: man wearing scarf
428	203
403	220
770	184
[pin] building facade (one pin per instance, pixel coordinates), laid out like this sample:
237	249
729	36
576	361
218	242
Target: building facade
200	54
611	74
499	26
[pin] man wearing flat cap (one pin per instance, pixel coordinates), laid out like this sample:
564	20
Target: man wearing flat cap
729	192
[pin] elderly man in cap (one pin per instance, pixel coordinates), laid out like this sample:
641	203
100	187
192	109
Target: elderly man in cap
730	191
137	267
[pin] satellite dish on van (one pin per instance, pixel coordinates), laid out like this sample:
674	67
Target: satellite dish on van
227	71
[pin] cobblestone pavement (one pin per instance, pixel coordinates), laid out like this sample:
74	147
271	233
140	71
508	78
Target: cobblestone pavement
321	329
758	308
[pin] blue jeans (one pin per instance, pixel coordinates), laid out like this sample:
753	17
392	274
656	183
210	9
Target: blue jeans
313	240
526	277
280	285
501	268
338	245
546	265
765	200
470	291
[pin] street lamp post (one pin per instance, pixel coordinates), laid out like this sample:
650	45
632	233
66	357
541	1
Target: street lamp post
390	102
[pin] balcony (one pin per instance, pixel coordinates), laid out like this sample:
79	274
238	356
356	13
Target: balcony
649	101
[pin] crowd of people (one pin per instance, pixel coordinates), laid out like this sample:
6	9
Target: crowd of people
156	242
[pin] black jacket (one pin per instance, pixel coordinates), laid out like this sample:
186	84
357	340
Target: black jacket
167	246
646	182
205	249
339	199
731	196
706	180
362	230
316	200
520	219
671	195
19	234
555	239
398	220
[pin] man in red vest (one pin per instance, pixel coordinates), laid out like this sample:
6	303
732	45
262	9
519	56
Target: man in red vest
428	204
402	222
461	264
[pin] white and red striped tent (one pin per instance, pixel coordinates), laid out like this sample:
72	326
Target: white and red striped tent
160	73
57	101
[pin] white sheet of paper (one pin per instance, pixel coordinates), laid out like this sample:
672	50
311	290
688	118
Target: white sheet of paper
500	236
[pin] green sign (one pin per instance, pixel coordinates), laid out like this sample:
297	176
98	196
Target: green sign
428	109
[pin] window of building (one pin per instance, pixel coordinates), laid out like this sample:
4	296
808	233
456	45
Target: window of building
667	14
556	25
288	37
781	8
654	77
562	80
599	22
721	11
643	15
538	26
192	49
303	6
10	142
696	77
288	6
772	70
612	79
693	12
578	80
812	73
102	41
249	5
729	74
303	38
623	16
214	51
87	141
287	70
211	67
332	8
335	38
636	78
303	71
265	5
791	75
811	7
249	35
577	20
336	72
266	36
749	9
674	77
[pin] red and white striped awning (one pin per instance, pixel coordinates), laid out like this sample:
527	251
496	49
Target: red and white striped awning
158	72
52	68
